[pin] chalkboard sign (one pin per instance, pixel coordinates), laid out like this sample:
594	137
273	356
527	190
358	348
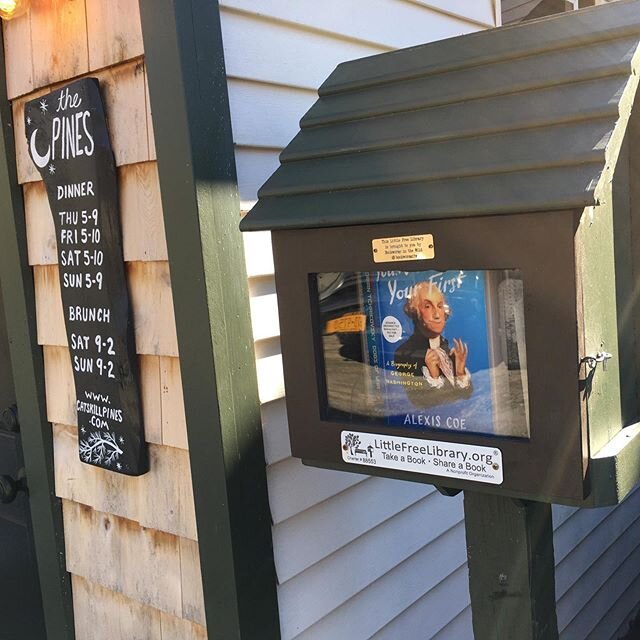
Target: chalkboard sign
69	143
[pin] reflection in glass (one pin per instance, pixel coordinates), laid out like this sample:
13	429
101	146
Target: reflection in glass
425	350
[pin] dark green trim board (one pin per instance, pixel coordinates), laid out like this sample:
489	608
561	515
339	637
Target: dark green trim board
189	102
28	374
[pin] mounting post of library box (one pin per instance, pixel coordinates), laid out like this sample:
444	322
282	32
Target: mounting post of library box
456	234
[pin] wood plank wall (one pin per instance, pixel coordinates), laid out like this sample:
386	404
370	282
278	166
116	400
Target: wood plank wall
131	542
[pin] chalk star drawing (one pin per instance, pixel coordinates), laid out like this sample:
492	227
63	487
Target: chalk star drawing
118	466
28	120
43	106
121	440
52	169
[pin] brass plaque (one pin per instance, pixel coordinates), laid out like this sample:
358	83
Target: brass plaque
403	248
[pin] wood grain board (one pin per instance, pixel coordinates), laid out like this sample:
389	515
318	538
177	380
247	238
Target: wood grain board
118	554
58	40
103	614
114	32
152	302
142	564
62	39
18	59
161	500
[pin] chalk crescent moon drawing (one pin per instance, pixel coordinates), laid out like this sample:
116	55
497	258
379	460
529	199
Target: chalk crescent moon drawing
41	161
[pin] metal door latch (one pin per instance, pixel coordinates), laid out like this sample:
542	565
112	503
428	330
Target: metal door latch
592	361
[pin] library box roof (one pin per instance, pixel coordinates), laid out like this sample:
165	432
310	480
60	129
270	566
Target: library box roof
522	118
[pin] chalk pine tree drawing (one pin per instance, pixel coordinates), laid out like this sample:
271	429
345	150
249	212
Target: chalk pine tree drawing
100	448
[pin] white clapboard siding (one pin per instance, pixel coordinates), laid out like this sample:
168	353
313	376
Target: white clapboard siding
276	431
562	513
277	108
354	555
294	487
264	309
316	533
428	616
616	619
597	565
420	576
254	166
620	563
459	628
481	11
610	536
605	535
261	49
576	529
598	588
327	525
257	252
596	580
386	23
369	558
270	375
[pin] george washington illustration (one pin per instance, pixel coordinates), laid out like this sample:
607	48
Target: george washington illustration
427	352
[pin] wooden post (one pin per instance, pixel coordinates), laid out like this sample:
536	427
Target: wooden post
511	568
192	123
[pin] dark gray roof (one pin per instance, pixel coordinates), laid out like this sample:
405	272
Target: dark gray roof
522	118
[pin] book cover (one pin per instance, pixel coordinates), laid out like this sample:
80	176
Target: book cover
428	347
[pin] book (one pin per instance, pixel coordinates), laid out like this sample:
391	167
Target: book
397	344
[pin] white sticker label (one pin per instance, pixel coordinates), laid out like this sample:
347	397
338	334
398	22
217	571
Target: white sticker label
392	329
448	459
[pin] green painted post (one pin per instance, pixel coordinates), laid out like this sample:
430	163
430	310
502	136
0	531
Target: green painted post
511	568
196	165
